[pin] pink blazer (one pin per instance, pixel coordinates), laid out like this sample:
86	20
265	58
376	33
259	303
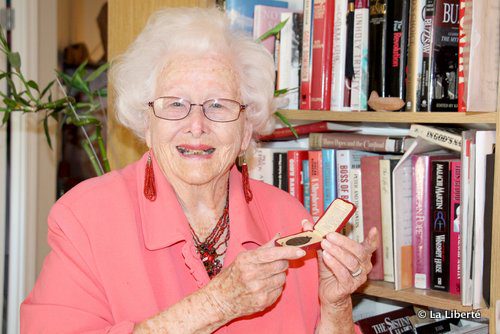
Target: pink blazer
118	258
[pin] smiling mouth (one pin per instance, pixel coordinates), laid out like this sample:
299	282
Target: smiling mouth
187	151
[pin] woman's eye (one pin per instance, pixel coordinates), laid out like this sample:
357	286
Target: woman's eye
176	104
216	105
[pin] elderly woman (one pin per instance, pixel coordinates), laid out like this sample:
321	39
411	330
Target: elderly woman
180	241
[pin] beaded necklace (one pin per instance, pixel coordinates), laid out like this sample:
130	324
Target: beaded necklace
208	249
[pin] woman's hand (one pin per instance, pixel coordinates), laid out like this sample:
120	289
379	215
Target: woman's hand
343	265
253	281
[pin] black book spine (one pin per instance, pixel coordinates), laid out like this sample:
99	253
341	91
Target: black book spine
443	87
440	228
280	170
397	43
377	46
426	39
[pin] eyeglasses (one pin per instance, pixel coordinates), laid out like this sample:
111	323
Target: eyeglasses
175	108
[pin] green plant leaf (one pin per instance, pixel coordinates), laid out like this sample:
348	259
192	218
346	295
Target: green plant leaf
46	130
272	32
103	92
3	75
14	59
287	123
80	84
10	102
94	75
33	85
47	88
81	69
5	117
279	92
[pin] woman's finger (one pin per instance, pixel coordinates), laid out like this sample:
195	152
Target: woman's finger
350	245
342	274
307	225
371	242
349	260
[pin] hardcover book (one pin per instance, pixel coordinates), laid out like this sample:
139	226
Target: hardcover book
306	183
440	228
372	216
265	18
339	56
295	173
450	138
359	83
455	272
329	176
356	141
439	84
378	47
307	47
397	321
322	54
316	184
280	170
241	12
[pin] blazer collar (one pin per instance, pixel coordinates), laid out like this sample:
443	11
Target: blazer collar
164	222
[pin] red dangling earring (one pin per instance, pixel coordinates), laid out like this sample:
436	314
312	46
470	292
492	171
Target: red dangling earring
149	180
245	178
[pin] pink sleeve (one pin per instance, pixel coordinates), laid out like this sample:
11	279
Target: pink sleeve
68	297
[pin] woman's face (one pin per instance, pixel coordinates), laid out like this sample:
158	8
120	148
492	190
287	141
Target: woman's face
196	150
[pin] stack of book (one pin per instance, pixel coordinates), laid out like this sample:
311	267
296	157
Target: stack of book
438	55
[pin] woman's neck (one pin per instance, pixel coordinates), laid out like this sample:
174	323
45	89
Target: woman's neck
202	204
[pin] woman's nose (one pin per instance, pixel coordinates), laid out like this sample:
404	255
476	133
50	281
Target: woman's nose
198	123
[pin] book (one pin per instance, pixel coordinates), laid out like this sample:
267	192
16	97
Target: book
316	184
306	183
261	165
322	54
265	18
339	56
485	141
372	217
449	138
295	173
354	141
357	218
306	65
386	168
415	50
280	170
455	271
421	223
289	58
359	83
488	225
241	12
377	48
482	70
440	225
325	126
439	84
397	321
346	161
397	42
329	176
464	31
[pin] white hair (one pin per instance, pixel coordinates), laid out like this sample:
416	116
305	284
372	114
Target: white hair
191	31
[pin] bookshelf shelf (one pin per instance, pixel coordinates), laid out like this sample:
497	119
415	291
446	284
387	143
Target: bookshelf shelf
430	298
393	117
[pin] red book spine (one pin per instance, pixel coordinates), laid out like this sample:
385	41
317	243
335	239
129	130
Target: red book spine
372	216
455	223
316	184
324	12
295	178
306	66
300	129
463	52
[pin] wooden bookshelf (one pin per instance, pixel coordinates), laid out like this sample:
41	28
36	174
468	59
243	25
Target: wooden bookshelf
393	117
429	298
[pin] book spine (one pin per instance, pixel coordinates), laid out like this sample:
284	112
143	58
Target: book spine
443	66
322	54
427	38
397	41
359	83
378	46
386	215
455	167
415	49
370	184
285	132
306	185
306	61
343	158
443	138
370	143
440	228
329	177
280	175
464	28
295	177
262	166
357	218
339	55
316	184
420	221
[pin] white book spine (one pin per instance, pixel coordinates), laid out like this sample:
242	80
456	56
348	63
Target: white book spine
443	138
357	218
285	58
339	54
359	84
261	165
386	210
